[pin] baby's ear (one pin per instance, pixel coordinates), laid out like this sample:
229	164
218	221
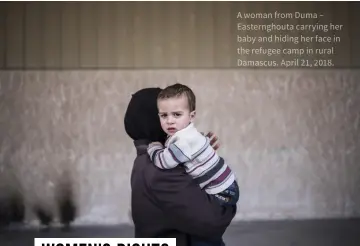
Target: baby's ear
192	114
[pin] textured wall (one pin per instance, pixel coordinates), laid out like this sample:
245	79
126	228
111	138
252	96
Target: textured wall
52	35
292	137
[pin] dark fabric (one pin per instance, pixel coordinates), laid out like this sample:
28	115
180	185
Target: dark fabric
170	201
141	118
198	242
167	203
149	219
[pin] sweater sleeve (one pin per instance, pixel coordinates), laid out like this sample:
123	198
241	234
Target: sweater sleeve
169	157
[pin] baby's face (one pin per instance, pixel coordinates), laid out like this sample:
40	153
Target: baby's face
174	114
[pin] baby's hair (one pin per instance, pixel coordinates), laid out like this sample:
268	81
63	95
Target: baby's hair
177	90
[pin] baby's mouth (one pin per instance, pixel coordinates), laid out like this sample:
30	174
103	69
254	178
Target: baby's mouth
171	129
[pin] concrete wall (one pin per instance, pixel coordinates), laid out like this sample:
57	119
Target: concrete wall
292	137
152	35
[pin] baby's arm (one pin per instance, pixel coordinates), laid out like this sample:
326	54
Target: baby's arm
167	158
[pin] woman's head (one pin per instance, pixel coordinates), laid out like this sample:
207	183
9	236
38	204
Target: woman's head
141	117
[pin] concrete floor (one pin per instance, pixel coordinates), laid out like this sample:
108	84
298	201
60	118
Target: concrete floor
269	233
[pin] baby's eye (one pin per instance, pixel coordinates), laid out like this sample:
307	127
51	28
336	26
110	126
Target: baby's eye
163	115
177	114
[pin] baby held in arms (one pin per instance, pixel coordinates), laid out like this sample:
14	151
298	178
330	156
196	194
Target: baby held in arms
186	146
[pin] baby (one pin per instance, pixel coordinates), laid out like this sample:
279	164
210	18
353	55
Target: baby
188	147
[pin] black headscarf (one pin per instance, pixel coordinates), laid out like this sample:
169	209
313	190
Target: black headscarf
141	117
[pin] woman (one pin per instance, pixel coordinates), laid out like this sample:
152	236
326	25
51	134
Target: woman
167	203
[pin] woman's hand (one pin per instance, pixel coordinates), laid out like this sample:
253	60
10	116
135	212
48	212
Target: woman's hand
213	138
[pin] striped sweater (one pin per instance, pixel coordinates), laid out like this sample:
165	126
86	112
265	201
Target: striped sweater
190	148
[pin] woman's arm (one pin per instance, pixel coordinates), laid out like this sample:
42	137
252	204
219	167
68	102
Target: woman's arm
188	208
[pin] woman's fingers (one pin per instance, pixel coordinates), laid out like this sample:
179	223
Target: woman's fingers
213	140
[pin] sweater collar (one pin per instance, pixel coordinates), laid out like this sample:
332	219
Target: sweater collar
187	130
